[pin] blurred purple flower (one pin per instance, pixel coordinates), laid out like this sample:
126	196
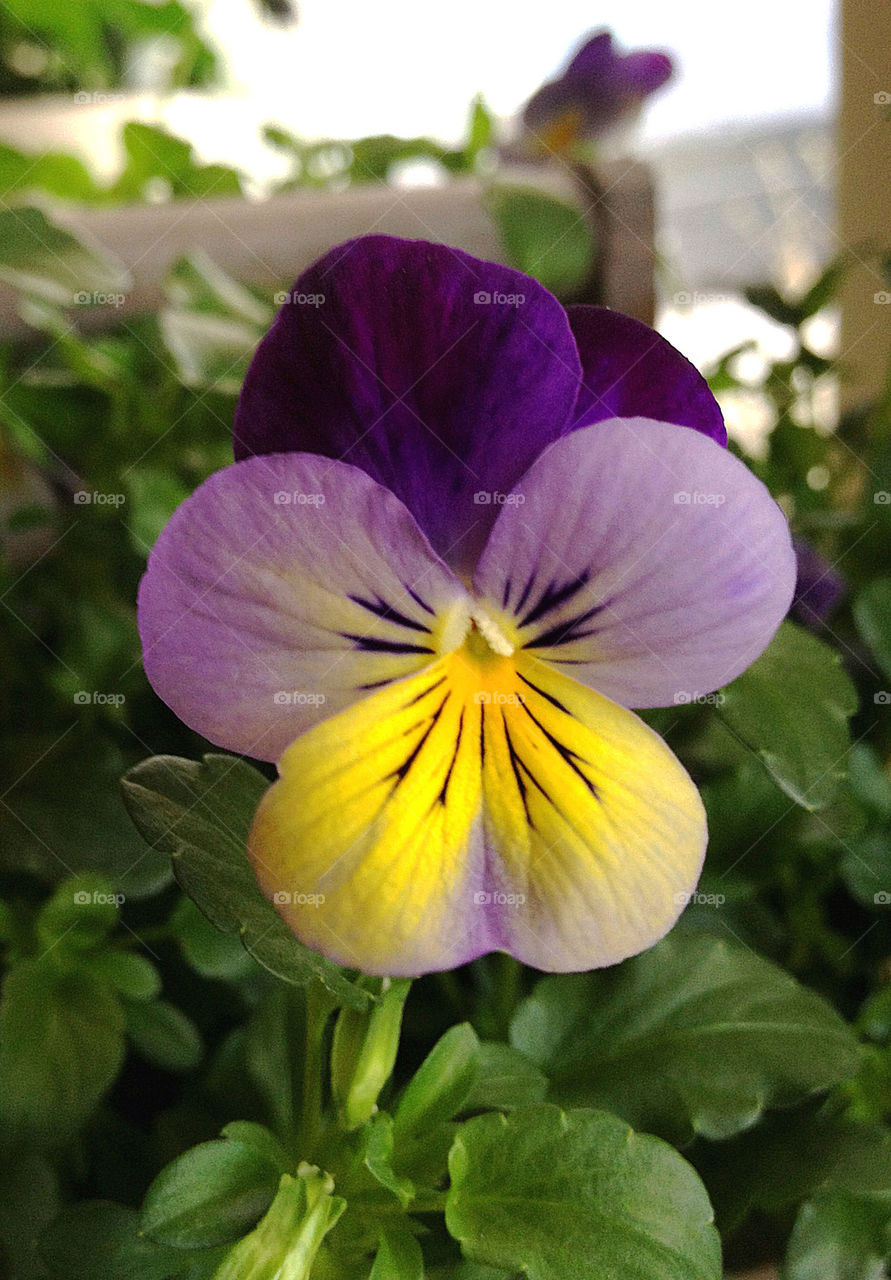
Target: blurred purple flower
599	89
819	587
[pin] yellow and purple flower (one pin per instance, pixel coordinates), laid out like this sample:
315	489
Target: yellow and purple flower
599	90
467	531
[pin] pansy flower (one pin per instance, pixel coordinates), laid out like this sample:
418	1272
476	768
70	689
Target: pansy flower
599	90
468	530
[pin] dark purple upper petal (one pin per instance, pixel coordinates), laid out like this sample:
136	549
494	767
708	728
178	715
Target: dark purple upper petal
418	368
630	371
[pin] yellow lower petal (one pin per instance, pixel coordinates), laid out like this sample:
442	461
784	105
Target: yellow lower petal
488	802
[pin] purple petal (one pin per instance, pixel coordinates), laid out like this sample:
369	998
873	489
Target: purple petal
642	559
415	368
595	58
630	371
645	71
283	590
819	588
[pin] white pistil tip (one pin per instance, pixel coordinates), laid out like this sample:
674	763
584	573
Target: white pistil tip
492	634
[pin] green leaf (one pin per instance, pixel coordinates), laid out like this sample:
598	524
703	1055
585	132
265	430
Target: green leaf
789	1157
201	814
41	258
98	1240
80	914
257	1136
132	976
211	1195
209	952
546	238
558	1195
398	1257
694	1035
378	1158
440	1085
872	613
164	1035
505	1079
61	1046
768	299
840	1237
866	868
791	709
29	1201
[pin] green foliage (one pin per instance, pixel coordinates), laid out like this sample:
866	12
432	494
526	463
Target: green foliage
84	47
201	814
211	1195
791	708
547	238
548	1192
696	1035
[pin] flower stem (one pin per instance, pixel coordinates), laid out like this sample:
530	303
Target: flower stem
319	1007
